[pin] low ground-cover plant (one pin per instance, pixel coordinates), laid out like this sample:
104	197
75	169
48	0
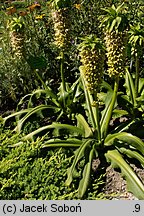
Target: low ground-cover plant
28	172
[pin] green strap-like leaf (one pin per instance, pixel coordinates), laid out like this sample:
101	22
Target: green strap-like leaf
107	104
62	143
118	19
31	112
78	155
19	113
112	25
54	126
83	185
133	154
124	126
71	128
72	143
119	8
84	125
105	120
127	138
58	145
23	99
130	87
119	113
89	101
141	86
48	92
134	184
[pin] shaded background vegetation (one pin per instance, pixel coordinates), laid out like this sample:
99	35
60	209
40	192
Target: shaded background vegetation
16	81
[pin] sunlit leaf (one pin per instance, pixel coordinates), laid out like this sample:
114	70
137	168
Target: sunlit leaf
84	125
30	113
84	183
72	143
59	126
134	184
126	138
130	87
133	154
19	113
78	155
119	113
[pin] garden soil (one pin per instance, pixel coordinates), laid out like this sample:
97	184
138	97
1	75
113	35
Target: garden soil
115	186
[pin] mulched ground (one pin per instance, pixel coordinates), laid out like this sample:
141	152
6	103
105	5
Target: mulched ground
115	187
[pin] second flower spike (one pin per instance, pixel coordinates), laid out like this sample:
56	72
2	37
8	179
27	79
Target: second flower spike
92	55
